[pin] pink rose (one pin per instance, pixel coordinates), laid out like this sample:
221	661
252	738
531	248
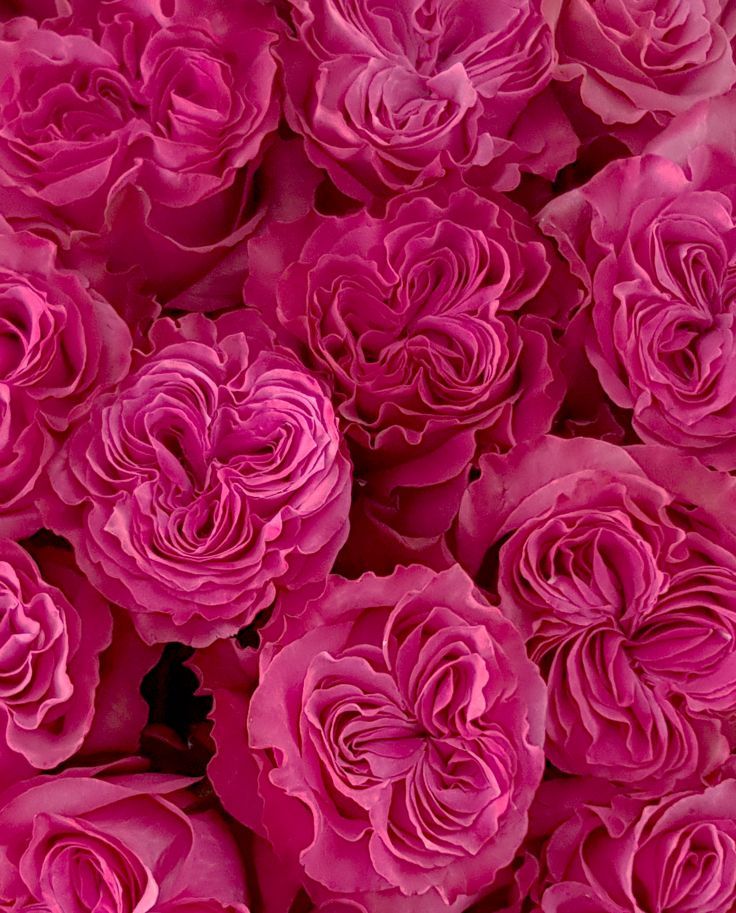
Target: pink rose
68	119
59	342
655	248
116	839
212	475
134	128
676	856
393	740
637	65
57	685
388	102
423	324
617	564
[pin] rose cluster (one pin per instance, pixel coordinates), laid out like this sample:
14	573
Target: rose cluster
367	456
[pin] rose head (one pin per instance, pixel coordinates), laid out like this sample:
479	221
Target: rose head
58	690
676	856
656	252
213	474
413	320
420	323
638	64
137	126
68	116
58	343
116	840
618	566
389	101
394	739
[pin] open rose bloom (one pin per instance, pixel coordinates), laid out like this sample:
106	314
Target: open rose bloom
393	738
367	456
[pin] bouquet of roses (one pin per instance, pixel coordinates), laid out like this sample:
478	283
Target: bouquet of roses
367	456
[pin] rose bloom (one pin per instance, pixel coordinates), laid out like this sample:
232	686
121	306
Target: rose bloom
59	342
116	839
133	128
213	474
675	856
387	101
393	743
59	689
618	566
423	324
635	65
654	245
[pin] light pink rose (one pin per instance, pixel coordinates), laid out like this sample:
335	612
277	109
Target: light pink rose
213	475
392	744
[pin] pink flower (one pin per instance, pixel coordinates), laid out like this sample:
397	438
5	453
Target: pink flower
618	566
134	128
119	839
59	343
56	646
636	65
213	475
388	102
426	325
393	740
678	855
654	246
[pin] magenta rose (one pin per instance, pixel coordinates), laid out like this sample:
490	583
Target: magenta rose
212	475
423	325
635	65
390	101
119	840
617	564
655	248
69	116
392	744
675	856
137	126
59	342
59	692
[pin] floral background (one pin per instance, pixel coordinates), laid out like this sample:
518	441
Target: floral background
367	454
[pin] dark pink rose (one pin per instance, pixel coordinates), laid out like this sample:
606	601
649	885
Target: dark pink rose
617	564
212	475
655	248
390	101
635	65
675	856
119	840
134	128
59	342
57	688
422	322
68	118
393	741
